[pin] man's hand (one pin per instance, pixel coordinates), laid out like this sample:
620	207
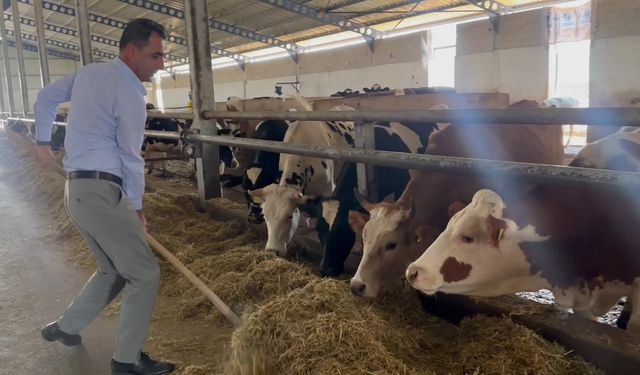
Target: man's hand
48	158
143	220
45	155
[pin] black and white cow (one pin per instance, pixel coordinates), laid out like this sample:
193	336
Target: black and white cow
172	146
304	179
265	167
336	235
307	181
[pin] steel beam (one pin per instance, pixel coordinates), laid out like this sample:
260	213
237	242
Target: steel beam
84	33
207	164
493	8
327	18
111	22
65	45
291	47
42	46
22	75
94	38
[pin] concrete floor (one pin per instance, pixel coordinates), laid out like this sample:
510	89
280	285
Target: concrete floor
35	287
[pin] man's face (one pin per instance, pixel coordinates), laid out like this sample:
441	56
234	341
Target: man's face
146	61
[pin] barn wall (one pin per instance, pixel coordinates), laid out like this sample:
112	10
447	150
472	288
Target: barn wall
396	63
58	68
615	57
514	60
615	53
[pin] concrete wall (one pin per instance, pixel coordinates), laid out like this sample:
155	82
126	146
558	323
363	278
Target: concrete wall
514	60
615	53
615	57
396	63
58	68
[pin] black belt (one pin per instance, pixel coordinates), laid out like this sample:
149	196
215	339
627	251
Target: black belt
95	175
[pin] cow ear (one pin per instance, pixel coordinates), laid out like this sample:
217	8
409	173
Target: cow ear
496	229
390	198
357	221
257	194
425	235
454	208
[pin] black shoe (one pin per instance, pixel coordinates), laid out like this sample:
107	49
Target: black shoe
51	332
144	366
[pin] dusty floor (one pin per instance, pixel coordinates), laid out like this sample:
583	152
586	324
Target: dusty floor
35	287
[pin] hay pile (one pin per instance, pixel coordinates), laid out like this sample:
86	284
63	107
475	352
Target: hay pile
321	329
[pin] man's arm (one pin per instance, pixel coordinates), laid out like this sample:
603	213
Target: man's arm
46	107
49	98
130	117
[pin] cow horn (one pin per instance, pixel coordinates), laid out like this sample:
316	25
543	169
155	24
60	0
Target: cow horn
411	210
368	206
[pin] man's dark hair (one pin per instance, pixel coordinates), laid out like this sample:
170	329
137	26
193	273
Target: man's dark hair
138	32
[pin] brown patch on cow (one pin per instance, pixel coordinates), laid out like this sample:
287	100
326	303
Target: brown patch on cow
496	228
453	271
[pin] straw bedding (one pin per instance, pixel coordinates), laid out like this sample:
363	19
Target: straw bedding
293	321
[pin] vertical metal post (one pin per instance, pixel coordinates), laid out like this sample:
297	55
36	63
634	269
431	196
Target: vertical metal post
42	45
20	56
7	66
202	95
365	139
82	15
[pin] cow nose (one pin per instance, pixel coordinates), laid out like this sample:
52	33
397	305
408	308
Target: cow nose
412	274
358	287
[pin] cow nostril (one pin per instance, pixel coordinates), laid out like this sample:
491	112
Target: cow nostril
358	288
412	275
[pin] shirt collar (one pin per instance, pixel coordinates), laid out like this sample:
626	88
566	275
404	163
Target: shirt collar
130	75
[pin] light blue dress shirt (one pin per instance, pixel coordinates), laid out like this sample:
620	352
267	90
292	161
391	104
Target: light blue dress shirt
105	127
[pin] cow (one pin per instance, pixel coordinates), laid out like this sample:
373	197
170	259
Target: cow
581	243
172	146
265	167
619	151
303	180
394	234
336	235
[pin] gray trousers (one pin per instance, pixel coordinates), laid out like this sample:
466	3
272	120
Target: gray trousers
112	230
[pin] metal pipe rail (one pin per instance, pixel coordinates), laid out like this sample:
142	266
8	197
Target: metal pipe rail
586	116
550	116
486	168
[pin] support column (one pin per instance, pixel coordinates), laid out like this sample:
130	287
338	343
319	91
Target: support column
202	95
82	16
8	83
22	76
42	43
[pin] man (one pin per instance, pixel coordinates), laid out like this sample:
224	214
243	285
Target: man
103	192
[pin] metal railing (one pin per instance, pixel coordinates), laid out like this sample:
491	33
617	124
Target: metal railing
486	168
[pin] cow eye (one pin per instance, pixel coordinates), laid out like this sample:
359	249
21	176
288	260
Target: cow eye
467	239
390	246
291	217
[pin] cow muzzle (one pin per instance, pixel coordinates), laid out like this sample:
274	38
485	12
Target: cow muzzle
358	288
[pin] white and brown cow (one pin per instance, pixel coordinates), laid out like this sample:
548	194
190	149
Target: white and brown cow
303	178
619	151
394	234
580	243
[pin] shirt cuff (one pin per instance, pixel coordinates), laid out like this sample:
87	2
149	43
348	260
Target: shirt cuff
136	203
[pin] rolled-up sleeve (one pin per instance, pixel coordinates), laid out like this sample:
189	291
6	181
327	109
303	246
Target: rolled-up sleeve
130	114
49	98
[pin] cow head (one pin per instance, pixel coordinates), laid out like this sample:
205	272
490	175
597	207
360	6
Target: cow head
281	209
227	154
389	242
478	253
619	151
